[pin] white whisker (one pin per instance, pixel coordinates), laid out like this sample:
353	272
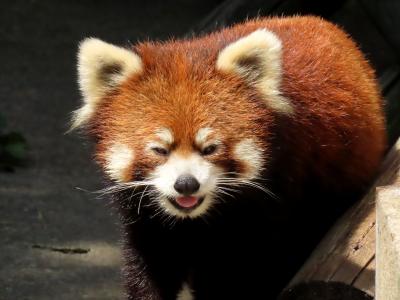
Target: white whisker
224	192
237	182
118	187
140	200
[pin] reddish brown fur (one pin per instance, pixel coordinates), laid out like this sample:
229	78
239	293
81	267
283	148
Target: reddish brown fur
338	111
333	142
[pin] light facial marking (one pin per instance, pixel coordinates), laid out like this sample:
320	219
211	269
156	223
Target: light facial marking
251	155
202	138
153	145
165	175
185	293
118	159
202	134
165	135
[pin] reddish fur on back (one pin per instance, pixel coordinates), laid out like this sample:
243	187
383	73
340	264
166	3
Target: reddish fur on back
338	110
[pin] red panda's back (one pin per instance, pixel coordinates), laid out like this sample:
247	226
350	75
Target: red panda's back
337	131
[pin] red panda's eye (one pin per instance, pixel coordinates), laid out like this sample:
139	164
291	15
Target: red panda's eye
209	150
160	151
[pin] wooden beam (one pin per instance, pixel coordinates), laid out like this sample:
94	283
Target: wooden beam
388	244
344	262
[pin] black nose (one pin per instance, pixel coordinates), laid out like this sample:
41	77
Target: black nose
186	185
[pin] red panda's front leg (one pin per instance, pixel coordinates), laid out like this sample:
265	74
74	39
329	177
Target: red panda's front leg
155	266
139	283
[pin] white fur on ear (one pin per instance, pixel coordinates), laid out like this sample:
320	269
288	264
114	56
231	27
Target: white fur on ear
257	58
101	68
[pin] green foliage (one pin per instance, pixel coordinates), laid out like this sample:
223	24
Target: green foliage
13	148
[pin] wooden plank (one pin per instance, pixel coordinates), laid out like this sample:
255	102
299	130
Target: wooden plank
366	279
347	253
359	256
388	244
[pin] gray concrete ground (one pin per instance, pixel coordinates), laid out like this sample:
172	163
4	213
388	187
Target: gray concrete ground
41	211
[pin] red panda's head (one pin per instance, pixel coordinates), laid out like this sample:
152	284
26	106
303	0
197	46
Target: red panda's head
189	121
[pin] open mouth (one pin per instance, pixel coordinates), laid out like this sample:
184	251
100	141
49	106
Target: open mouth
186	203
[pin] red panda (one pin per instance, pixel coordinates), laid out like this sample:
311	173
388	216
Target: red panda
230	154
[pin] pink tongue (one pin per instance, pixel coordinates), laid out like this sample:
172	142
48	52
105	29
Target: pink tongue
187	202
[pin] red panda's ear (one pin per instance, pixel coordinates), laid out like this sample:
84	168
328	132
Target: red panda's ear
101	68
257	58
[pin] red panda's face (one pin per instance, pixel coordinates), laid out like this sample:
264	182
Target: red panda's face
183	129
189	140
